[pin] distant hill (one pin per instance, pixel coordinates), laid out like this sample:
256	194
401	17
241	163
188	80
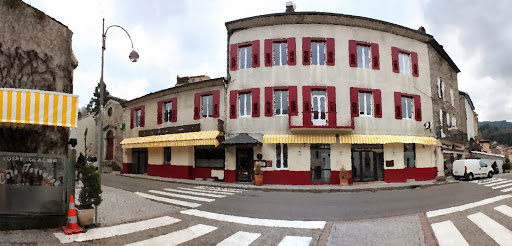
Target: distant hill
502	124
500	131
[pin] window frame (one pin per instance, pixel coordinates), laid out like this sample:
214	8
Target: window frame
414	155
209	99
137	115
319	41
247	112
282	157
281	102
280	42
244	47
404	116
167	150
401	66
369	47
365	93
164	107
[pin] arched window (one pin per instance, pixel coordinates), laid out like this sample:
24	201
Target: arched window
110	145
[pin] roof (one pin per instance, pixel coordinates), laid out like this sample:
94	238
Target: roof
113	98
242	138
468	98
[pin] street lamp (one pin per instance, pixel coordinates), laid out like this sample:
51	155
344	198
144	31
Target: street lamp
134	57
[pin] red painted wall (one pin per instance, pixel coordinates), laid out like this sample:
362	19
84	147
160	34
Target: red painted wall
204	173
170	171
230	176
401	175
127	168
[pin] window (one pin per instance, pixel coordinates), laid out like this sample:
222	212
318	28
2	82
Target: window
407	108
454	122
482	164
448	120
441	113
281	102
138	113
319	105
365	103
318	53
245	57
280	53
363	56
209	157
109	112
167	112
452	97
440	87
281	156
409	155
244	101
207	108
405	63
167	155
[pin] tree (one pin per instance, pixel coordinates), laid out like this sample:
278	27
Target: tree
94	104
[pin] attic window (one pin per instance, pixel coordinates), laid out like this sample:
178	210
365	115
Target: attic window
109	112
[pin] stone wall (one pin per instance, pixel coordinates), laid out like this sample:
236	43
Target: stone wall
112	122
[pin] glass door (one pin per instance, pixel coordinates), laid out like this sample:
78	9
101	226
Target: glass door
319	108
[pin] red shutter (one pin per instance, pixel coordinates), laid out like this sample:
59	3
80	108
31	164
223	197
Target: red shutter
232	104
306	102
352	53
377	103
306	51
354	102
331	105
331	54
375	56
292	56
174	109
233	65
398	105
394	59
159	112
142	116
132	115
256	102
293	107
417	107
414	61
255	54
268	52
197	109
216	103
268	101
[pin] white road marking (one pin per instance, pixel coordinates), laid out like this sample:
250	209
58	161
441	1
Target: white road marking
221	188
195	193
207	191
497	183
295	241
445	211
178	237
256	221
112	231
504	209
168	200
195	198
240	238
506	190
502	186
491	181
218	189
447	234
496	231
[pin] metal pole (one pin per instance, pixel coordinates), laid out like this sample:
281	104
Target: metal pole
100	116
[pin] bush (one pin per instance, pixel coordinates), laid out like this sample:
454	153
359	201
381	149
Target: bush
90	193
257	170
344	174
506	166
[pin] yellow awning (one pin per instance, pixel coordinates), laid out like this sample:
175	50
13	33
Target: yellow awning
20	106
320	139
177	139
385	139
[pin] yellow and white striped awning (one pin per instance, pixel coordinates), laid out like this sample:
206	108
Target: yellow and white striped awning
177	139
386	139
317	139
20	106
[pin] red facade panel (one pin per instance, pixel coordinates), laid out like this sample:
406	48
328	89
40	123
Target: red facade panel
197	104
293	107
233	96
269	99
292	54
159	110
233	52
216	103
377	103
306	102
414	61
398	105
394	59
306	51
268	52
354	102
331	54
255	53
331	106
352	53
255	102
417	107
375	56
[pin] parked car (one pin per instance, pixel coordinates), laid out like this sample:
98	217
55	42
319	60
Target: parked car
470	169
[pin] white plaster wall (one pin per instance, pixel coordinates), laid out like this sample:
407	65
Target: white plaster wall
88	123
470	122
181	156
394	152
231	158
127	155
425	156
156	156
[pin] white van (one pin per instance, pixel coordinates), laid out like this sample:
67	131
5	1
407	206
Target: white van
469	169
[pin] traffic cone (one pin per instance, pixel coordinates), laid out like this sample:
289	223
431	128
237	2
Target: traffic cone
72	224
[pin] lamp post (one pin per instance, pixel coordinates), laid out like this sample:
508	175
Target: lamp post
134	57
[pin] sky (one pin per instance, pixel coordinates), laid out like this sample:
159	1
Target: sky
186	38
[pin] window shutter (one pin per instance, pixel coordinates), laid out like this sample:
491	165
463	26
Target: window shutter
268	52
256	102
268	101
331	105
354	102
292	94
233	55
232	104
159	112
398	105
292	58
414	61
197	103
306	113
174	109
132	115
255	54
142	116
352	53
306	51
377	101
375	56
330	51
417	107
394	59
216	103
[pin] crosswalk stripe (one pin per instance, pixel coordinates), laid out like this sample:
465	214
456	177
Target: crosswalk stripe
177	237
195	198
501	186
221	188
447	234
207	191
194	193
168	200
466	206
506	190
504	209
112	231
491	181
240	238
218	189
496	231
295	241
501	182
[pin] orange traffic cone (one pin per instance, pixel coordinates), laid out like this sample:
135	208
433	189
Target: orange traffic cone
72	224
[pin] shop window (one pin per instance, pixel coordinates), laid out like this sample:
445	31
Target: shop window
281	102
209	157
245	57
207	108
167	112
167	155
281	156
244	100
365	103
409	155
407	108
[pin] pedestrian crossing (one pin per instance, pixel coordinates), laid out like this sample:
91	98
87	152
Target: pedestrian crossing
505	185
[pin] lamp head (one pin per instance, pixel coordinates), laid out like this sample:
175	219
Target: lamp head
134	56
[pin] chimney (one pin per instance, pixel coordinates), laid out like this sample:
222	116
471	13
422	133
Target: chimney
290	7
422	29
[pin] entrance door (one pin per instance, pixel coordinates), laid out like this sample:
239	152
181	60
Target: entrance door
110	145
320	163
139	161
367	163
319	108
244	165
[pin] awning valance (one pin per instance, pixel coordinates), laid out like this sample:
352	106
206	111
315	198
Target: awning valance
386	139
20	106
178	139
315	139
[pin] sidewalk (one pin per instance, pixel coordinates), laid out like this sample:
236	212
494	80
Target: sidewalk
373	186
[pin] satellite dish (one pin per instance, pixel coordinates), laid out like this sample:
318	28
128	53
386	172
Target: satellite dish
427	125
